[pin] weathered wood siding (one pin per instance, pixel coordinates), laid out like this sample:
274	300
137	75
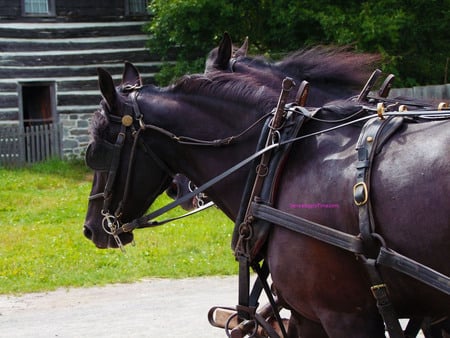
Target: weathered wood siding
71	9
68	54
63	50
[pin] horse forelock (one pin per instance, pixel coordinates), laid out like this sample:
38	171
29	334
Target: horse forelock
98	126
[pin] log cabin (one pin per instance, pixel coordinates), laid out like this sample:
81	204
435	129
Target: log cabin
49	53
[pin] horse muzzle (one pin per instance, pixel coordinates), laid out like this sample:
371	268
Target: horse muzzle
103	240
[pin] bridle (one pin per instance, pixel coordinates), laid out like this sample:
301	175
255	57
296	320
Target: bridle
132	123
111	221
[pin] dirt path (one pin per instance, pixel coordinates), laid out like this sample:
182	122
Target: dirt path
151	308
155	308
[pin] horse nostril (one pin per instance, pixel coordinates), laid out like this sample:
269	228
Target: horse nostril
172	191
87	232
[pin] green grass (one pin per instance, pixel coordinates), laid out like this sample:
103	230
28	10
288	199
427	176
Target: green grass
42	247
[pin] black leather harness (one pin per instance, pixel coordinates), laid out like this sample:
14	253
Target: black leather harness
257	216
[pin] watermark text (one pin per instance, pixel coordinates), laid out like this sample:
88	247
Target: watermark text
313	205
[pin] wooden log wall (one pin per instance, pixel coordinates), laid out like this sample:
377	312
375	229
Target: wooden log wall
68	54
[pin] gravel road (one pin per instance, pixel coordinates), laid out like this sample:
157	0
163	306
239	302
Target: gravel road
153	308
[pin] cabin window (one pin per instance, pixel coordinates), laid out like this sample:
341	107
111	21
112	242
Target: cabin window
136	7
38	7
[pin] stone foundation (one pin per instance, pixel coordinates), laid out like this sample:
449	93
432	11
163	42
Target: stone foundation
75	136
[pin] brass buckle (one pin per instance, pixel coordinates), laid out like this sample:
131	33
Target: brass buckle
376	288
366	195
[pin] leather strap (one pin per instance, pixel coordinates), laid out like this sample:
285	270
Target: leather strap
396	261
384	305
301	225
107	194
366	146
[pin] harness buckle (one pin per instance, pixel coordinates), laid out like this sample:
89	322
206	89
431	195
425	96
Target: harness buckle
360	194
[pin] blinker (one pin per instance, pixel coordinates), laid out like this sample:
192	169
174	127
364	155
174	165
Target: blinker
99	155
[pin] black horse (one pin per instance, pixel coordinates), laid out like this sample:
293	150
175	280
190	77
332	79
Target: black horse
186	128
333	73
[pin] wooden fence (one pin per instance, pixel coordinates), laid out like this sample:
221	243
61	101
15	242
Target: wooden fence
20	145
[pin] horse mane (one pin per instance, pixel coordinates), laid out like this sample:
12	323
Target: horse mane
235	87
330	64
226	87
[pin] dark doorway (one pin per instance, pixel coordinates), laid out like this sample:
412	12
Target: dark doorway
40	129
36	104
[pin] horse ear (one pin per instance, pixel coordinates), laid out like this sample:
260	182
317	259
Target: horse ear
243	50
107	87
131	76
224	53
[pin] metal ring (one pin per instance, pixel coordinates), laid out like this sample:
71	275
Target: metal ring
262	170
276	136
106	224
379	238
245	231
227	324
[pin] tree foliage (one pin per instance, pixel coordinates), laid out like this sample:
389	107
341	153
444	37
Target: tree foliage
412	36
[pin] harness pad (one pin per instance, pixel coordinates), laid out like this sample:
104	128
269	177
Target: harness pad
250	246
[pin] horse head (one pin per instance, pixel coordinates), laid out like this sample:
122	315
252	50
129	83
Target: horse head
219	58
132	161
120	163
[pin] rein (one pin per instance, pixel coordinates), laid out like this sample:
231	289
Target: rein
113	222
147	221
196	142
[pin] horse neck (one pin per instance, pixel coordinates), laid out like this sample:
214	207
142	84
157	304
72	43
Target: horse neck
208	119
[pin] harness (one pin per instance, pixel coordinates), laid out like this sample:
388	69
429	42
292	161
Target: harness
257	214
369	246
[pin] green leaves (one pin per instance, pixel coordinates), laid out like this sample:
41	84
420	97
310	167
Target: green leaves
412	36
